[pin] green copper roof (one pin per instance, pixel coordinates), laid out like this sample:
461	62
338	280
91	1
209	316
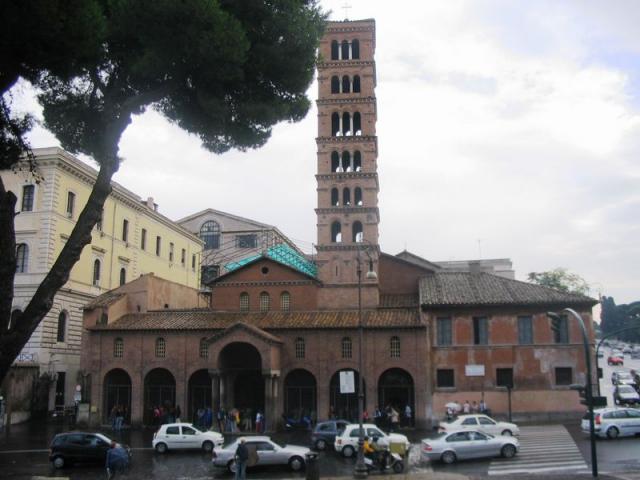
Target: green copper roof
281	253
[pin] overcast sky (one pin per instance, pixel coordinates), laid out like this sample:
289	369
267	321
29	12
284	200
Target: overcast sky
505	129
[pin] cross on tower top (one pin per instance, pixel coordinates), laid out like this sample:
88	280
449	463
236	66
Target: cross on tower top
346	7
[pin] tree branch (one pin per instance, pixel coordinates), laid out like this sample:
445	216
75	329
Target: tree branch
8	257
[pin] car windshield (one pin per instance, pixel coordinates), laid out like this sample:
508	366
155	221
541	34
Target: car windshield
626	389
194	427
104	438
437	436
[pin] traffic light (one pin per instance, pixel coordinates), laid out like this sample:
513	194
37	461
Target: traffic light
582	391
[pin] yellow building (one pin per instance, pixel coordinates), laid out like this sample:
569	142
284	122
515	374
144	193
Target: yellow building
132	239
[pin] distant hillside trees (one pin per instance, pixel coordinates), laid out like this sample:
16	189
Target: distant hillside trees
616	317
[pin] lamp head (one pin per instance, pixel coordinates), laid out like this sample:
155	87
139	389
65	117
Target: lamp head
371	275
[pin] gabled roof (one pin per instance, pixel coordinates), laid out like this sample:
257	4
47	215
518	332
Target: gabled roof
211	320
251	329
484	289
104	300
414	259
282	254
207	211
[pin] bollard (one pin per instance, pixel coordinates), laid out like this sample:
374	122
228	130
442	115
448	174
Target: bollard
312	471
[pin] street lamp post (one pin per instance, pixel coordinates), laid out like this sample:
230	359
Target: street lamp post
588	386
360	470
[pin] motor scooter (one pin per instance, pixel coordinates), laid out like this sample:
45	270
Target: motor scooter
392	460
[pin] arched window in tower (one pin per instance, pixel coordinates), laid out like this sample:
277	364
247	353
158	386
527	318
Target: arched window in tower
335	124
346	161
355	49
244	302
346	124
123	276
346	84
357	124
335	84
335	161
357	196
336	232
356	84
335	50
346	197
96	272
344	50
357	161
265	302
335	197
358	235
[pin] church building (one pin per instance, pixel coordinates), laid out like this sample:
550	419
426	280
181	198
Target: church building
279	327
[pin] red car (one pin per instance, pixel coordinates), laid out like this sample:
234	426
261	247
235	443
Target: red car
615	360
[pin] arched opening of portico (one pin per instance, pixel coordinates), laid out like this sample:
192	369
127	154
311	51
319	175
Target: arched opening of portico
117	393
159	391
395	389
300	395
199	393
241	382
345	405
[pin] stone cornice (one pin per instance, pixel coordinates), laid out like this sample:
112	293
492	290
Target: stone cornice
341	247
345	100
351	26
345	63
349	139
337	176
340	210
264	284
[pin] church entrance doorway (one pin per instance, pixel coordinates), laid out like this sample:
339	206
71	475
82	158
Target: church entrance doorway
241	380
199	394
395	389
300	395
160	394
117	393
345	405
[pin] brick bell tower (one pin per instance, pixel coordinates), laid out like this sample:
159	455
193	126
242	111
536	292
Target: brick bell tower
347	212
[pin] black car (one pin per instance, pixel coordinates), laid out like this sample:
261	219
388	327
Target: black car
80	447
325	433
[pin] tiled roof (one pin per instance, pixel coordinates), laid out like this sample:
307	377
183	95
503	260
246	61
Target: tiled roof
104	300
466	289
399	300
211	320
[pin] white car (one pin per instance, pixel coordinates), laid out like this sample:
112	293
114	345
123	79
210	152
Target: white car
180	436
347	442
613	422
269	453
481	423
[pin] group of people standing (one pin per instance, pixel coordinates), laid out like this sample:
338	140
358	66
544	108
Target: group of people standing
236	420
117	417
166	414
391	417
454	408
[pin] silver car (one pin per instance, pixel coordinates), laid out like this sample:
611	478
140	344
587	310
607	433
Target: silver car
481	423
613	422
269	453
462	444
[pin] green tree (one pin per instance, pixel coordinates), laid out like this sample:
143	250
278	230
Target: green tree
560	279
224	70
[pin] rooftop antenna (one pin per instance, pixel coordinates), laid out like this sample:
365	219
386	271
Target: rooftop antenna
346	7
479	249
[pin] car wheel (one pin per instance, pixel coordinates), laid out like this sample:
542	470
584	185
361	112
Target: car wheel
296	464
507	432
161	447
348	451
398	467
321	444
613	432
207	446
448	457
508	451
58	462
231	466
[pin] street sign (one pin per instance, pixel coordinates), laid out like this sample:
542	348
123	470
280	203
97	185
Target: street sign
347	383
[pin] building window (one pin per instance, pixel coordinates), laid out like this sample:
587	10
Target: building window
480	331
158	245
161	348
204	348
193	262
143	239
244	302
445	378
347	349
444	332
62	326
118	348
171	246
561	329
104	319
27	198
71	203
300	348
265	302
357	232
183	257
285	301
525	330
96	272
99	221
210	235
394	347
336	232
504	377
125	230
564	375
123	276
208	273
22	258
247	241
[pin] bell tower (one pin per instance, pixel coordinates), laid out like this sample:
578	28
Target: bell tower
347	213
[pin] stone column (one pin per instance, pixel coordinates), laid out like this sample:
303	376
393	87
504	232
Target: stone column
268	401
277	406
215	390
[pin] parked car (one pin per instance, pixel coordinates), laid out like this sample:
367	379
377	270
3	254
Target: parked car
324	433
635	354
620	377
347	442
625	395
615	359
481	423
80	447
613	422
269	453
449	447
180	436
626	350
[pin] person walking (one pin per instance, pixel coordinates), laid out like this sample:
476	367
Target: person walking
466	407
395	419
259	422
117	460
407	415
178	414
241	458
119	418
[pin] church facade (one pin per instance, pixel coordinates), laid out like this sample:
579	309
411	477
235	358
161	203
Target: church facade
280	328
